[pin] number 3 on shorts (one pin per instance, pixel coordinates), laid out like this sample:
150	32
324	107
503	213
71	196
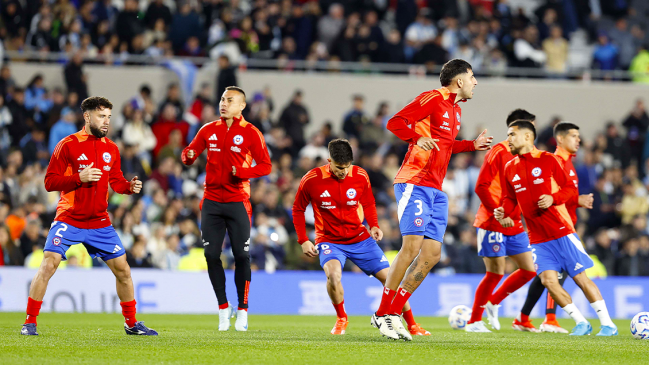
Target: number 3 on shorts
62	229
421	210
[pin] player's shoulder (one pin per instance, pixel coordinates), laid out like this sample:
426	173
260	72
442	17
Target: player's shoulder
64	144
435	95
314	172
494	153
360	172
111	143
514	161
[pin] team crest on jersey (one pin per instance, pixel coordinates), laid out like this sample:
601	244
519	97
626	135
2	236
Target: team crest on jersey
238	139
351	193
496	247
106	157
536	172
419	222
56	241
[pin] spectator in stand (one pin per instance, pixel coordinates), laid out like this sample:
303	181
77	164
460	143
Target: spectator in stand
556	51
636	125
355	119
330	26
623	40
393	48
75	80
10	253
132	164
34	147
606	54
137	256
419	33
165	124
127	23
157	10
546	136
138	134
174	99
174	147
293	119
20	120
526	52
226	77
640	65
185	24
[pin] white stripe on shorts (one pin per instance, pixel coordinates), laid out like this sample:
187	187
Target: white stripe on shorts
403	202
575	241
481	234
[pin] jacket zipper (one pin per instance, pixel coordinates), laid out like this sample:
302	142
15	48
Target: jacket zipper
94	192
340	219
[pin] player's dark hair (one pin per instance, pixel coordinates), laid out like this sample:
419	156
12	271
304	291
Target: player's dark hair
524	124
340	151
95	103
563	127
520	114
451	69
236	88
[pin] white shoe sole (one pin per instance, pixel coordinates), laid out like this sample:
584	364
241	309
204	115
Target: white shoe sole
553	329
524	329
375	325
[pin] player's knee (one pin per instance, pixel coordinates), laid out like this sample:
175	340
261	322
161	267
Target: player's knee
548	281
240	256
48	268
409	252
334	277
213	258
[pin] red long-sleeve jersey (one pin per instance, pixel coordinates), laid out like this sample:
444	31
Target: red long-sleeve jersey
433	114
339	206
236	146
490	192
526	178
566	161
83	205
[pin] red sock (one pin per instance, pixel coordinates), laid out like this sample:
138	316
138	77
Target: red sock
482	294
399	301
410	319
33	308
224	305
128	311
513	282
525	318
550	317
340	309
386	301
241	309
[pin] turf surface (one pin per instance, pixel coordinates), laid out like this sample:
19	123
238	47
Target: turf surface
192	339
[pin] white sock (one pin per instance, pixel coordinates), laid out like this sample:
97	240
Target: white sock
574	313
600	308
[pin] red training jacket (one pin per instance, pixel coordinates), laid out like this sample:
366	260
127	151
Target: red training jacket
490	192
237	146
83	205
566	161
433	114
338	206
526	178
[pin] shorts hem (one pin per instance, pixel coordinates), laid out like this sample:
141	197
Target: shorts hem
322	264
63	257
110	257
378	270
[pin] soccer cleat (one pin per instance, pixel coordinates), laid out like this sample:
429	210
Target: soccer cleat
492	315
476	327
582	329
416	330
552	327
395	319
384	325
340	327
29	329
139	329
525	326
224	318
607	331
241	324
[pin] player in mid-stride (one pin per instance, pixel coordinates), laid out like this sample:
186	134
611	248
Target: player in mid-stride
536	182
430	124
81	168
341	197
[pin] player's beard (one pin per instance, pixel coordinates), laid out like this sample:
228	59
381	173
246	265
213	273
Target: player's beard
95	131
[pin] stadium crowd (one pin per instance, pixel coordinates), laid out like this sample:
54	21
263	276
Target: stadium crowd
160	227
492	35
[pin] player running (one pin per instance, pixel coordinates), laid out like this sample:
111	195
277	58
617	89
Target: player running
496	240
429	124
81	168
341	197
567	137
536	182
232	144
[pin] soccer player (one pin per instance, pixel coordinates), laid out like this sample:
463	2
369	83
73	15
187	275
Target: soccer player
232	144
81	168
536	182
341	197
567	137
496	240
429	124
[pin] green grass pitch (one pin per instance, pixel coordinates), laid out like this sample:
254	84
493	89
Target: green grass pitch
194	339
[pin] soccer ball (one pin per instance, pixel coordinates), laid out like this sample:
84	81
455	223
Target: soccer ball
640	326
460	315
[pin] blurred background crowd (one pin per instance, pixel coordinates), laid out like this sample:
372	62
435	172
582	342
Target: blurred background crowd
160	226
555	36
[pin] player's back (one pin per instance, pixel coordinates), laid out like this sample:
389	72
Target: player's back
490	191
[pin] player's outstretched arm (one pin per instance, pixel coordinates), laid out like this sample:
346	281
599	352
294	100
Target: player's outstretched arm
55	177
195	148
482	143
259	153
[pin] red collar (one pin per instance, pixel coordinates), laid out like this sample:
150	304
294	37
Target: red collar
235	120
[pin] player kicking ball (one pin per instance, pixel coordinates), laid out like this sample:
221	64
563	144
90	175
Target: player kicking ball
341	197
81	168
536	182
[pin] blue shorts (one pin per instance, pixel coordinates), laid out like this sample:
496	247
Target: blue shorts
367	255
422	211
565	253
494	244
103	242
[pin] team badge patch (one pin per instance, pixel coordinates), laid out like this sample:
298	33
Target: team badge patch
496	247
351	193
326	252
56	241
419	222
238	139
536	172
106	157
